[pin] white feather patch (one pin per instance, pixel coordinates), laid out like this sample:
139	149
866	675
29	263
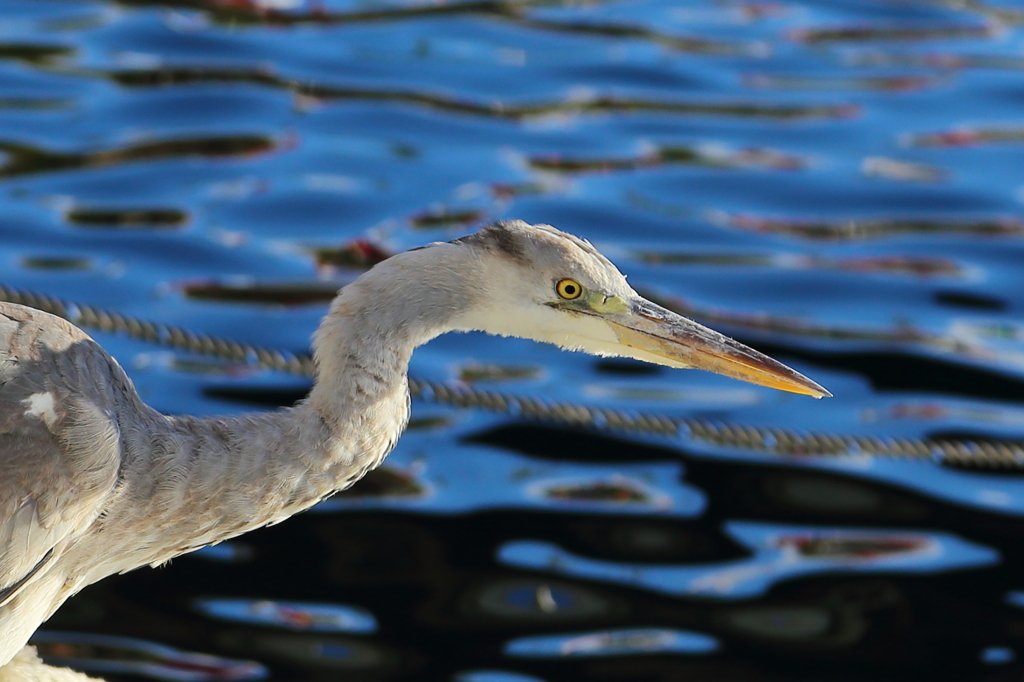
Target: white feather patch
40	405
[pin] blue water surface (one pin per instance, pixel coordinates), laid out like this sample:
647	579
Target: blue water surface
836	183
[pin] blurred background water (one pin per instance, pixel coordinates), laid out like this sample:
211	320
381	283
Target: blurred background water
837	183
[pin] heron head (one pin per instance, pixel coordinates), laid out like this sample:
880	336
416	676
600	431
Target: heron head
536	282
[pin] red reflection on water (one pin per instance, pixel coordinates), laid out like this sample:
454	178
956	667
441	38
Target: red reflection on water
845	547
360	253
964	137
882	83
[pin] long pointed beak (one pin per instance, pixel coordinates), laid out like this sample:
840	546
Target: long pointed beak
663	337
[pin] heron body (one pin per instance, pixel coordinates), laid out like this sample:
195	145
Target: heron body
94	482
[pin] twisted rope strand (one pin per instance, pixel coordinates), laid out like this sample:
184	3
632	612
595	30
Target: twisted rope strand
995	454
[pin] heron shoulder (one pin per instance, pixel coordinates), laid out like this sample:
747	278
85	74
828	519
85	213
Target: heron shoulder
25	332
59	445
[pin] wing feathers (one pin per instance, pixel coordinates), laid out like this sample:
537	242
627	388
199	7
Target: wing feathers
59	450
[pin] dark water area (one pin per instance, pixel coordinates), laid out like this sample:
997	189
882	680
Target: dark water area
838	184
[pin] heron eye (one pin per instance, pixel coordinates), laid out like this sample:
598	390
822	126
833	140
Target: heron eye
569	289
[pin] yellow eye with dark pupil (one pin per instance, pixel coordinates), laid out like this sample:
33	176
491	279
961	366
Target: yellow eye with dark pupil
569	289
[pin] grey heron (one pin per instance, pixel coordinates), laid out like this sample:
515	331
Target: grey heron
94	482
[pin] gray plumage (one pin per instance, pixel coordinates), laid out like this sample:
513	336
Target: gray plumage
94	482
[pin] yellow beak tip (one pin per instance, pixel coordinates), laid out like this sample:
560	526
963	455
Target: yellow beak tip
788	385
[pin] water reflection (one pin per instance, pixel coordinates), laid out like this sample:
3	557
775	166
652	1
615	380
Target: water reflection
474	372
309	94
883	83
513	11
442	217
618	491
56	263
708	155
244	290
854	229
962	137
38	55
779	554
103	655
944	60
612	643
21	159
914	266
320	652
359	254
289	615
856	34
536	600
165	218
895	169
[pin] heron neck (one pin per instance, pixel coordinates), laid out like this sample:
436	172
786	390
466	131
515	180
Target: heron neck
363	347
216	478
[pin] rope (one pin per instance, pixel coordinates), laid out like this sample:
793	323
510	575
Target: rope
990	454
